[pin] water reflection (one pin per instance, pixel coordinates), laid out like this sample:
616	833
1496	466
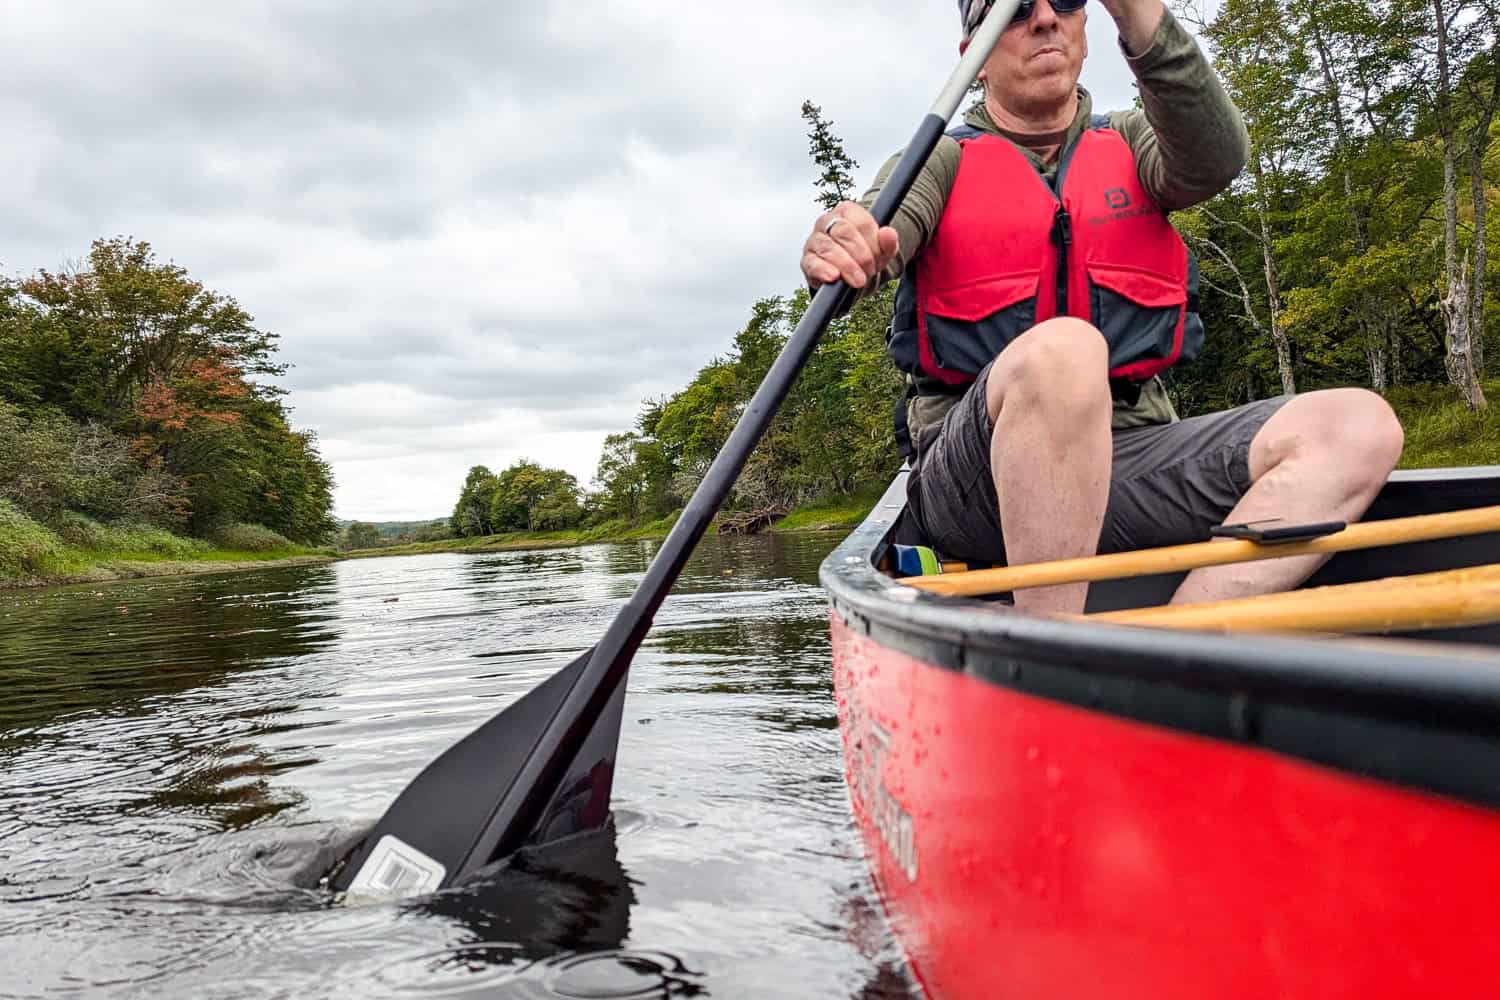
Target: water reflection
551	580
233	786
89	648
179	759
629	558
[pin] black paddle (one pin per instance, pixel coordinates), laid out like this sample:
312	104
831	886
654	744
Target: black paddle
543	768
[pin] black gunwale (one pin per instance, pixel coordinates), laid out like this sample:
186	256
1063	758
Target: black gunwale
1420	714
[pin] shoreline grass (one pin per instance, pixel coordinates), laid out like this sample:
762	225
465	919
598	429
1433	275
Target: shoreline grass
76	567
1441	431
836	513
609	531
77	549
110	570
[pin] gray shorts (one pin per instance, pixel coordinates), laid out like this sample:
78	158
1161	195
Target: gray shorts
1169	483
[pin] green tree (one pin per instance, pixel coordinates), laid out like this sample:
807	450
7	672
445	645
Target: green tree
108	331
360	535
836	182
528	496
622	481
1261	63
695	422
1346	211
139	348
1457	287
471	514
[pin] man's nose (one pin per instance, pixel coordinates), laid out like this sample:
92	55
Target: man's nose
1042	15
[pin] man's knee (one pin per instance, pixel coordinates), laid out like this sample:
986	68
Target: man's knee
1354	429
1372	434
1060	366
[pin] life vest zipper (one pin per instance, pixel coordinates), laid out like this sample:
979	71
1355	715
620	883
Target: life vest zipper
1062	238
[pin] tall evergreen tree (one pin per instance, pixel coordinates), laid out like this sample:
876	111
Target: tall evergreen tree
836	182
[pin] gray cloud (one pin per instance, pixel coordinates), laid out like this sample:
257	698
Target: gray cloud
483	230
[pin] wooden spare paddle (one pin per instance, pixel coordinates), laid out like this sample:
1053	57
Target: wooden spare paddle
1181	558
1448	599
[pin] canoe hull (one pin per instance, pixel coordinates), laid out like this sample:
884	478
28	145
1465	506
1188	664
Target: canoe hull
1074	809
1030	848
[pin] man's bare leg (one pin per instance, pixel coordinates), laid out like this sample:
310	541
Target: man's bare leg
1321	457
1050	455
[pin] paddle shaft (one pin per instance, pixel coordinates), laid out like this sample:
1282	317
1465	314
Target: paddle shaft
1180	558
527	797
1448	599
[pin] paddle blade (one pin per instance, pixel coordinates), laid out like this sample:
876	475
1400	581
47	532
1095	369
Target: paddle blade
426	840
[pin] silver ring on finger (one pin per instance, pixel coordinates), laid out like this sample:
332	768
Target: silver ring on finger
828	229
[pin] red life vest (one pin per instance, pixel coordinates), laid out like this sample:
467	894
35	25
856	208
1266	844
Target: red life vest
1009	252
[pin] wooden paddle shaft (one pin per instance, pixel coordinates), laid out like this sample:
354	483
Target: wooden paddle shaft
1181	558
1397	604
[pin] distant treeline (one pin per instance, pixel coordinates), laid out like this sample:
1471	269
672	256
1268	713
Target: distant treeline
130	394
1354	250
376	534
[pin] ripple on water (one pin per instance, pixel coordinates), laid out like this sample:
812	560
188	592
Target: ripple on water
175	777
481	968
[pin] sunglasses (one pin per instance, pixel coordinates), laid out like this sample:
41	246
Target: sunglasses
1023	12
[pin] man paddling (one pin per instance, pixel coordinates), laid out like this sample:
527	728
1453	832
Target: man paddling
1032	326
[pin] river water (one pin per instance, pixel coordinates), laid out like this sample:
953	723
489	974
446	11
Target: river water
180	759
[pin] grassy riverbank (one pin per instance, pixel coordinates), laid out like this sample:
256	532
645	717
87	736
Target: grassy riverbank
610	531
839	513
80	550
1441	431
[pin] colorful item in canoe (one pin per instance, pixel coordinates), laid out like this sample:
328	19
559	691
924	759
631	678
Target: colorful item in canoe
916	560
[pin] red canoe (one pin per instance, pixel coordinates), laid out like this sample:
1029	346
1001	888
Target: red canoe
1077	810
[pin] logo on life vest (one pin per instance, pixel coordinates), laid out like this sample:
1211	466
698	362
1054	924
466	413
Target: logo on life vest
1117	198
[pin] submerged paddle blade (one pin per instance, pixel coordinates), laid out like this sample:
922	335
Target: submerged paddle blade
581	802
426	840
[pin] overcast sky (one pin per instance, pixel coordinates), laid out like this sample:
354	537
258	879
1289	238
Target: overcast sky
484	230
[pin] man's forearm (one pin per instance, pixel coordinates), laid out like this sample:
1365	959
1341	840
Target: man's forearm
1190	143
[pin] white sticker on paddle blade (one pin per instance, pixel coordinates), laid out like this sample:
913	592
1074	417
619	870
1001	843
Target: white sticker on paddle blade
397	869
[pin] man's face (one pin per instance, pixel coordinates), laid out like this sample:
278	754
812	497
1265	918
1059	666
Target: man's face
1034	68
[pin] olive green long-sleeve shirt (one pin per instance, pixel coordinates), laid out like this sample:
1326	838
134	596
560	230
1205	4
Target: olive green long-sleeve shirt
1189	144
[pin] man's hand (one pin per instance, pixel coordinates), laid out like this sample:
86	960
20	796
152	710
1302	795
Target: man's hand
1137	21
846	243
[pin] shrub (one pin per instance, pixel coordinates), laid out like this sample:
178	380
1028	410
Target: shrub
436	531
242	537
51	464
143	538
25	546
124	539
80	531
360	535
